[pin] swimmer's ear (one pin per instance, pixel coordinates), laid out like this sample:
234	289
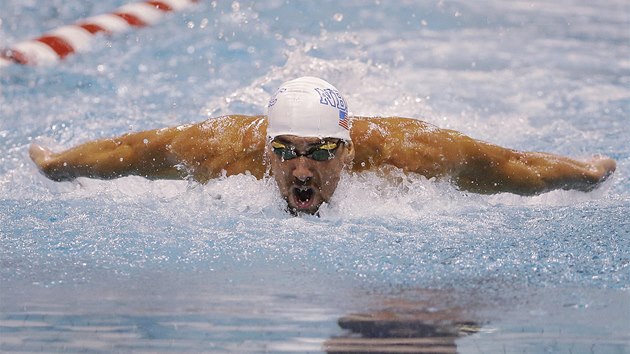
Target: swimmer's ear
349	153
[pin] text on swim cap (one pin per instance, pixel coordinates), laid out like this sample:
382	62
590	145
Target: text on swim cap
332	98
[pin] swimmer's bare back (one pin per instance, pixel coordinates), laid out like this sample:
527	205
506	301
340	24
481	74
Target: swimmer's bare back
236	144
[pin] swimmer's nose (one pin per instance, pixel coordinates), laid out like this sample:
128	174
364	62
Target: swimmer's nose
301	171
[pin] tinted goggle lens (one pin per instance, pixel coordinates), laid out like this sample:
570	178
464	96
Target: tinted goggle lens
324	152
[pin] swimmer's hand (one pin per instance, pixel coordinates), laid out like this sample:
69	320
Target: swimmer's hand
599	169
39	154
43	158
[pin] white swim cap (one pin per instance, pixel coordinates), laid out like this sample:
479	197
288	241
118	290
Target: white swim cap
308	107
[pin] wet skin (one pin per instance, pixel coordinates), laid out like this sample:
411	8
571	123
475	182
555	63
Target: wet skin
237	144
306	183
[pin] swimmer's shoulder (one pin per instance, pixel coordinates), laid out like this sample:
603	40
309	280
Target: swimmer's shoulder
237	132
242	128
376	129
393	141
231	144
237	121
236	129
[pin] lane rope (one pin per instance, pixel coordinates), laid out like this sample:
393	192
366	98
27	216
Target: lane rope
58	43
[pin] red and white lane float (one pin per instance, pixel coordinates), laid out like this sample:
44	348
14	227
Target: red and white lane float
55	45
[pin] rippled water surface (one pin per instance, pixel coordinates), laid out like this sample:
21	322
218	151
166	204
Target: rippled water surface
172	266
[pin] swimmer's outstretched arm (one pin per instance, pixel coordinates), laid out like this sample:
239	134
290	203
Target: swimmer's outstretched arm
487	168
233	144
144	153
472	165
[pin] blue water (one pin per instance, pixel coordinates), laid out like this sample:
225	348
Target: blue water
171	266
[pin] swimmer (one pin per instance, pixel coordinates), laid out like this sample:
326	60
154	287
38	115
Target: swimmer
307	140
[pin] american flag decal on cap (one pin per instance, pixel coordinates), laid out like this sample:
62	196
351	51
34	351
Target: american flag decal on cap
343	119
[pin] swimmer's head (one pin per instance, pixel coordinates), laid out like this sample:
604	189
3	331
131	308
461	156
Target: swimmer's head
308	106
308	142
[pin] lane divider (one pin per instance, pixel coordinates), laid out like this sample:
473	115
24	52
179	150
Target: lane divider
55	45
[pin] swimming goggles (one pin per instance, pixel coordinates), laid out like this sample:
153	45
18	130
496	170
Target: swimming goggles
323	152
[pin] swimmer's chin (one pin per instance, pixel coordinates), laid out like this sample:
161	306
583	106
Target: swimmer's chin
299	212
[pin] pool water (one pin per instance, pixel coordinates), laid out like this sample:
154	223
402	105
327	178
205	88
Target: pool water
133	265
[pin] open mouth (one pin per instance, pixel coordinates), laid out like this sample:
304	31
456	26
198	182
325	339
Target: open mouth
303	197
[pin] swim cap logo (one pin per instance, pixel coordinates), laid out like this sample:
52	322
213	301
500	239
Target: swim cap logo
334	99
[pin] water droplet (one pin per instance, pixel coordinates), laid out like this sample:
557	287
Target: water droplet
338	17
